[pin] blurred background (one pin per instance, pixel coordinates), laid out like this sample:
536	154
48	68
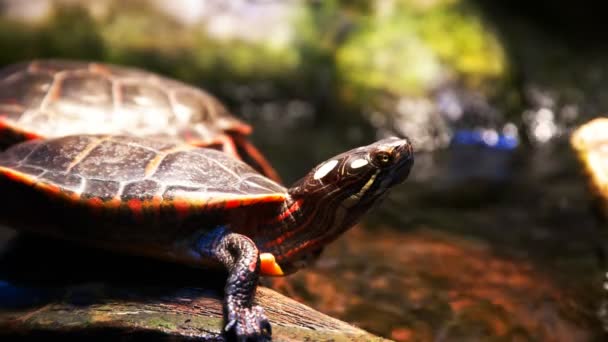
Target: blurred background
492	238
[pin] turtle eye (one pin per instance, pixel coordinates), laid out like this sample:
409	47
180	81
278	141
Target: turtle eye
382	158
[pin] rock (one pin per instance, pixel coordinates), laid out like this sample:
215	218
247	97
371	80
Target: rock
428	285
590	141
74	293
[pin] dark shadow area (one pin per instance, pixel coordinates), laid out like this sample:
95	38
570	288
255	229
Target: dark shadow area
580	23
34	271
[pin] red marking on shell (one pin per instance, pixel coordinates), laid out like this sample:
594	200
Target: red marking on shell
222	141
232	203
221	202
95	202
31	135
182	208
57	191
155	204
136	207
228	145
241	128
17	176
51	189
114	203
4	125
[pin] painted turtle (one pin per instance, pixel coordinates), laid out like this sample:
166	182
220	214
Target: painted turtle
193	205
53	98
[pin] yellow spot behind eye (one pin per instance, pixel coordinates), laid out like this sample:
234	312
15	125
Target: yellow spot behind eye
357	163
325	169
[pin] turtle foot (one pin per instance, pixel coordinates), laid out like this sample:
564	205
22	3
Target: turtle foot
249	324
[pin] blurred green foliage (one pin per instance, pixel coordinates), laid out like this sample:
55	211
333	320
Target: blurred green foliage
404	48
409	48
135	33
343	58
56	37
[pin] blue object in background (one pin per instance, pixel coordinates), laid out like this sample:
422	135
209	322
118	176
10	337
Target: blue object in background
485	138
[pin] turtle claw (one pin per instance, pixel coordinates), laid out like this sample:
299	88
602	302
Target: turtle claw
249	324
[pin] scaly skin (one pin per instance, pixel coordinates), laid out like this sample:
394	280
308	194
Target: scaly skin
241	258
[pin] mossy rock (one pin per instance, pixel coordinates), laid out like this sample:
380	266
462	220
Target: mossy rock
74	293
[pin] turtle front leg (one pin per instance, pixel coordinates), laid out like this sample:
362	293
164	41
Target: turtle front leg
241	257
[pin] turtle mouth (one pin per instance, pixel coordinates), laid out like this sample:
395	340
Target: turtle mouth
402	170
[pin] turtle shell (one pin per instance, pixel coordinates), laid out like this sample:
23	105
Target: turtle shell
52	98
127	192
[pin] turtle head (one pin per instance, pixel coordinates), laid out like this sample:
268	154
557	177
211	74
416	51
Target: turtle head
359	177
334	195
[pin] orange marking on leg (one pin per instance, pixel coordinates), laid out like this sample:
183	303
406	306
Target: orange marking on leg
269	266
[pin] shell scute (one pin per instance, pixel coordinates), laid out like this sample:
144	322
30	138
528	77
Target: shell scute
144	190
55	155
135	95
102	189
67	181
17	154
112	160
22	91
80	91
114	169
189	169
